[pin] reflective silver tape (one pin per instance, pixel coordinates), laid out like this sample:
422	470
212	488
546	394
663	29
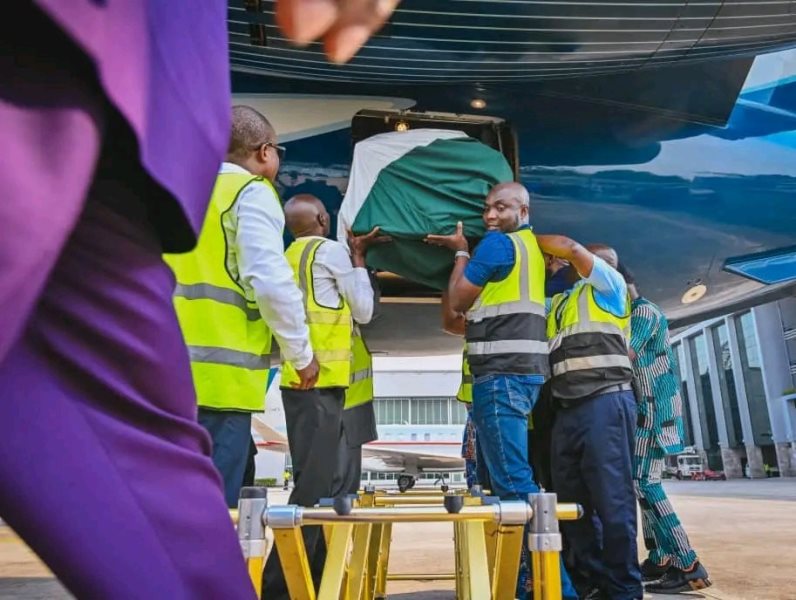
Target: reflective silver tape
207	291
517	307
604	361
225	356
361	375
507	347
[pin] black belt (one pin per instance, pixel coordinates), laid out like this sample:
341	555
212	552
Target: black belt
619	387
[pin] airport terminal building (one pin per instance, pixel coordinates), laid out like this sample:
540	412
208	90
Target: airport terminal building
738	382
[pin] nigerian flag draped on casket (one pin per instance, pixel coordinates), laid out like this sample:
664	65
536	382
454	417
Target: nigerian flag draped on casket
417	182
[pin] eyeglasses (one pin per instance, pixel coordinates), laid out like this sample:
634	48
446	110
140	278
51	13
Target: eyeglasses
280	150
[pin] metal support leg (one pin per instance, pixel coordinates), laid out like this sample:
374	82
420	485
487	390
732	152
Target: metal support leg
550	575
544	541
491	536
327	534
382	567
334	570
507	561
472	570
462	592
295	565
374	553
251	532
358	566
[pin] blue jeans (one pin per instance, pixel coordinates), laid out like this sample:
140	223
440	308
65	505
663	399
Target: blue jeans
501	406
231	434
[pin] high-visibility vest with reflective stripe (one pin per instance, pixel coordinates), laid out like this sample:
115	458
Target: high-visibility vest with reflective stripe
360	390
465	393
227	339
505	328
588	345
330	326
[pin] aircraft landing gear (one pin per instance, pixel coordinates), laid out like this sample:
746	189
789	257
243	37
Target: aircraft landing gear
405	482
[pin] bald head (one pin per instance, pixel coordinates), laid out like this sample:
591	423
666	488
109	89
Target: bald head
507	207
513	191
250	129
607	253
306	215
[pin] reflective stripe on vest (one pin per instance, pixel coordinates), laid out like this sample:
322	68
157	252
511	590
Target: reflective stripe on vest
465	393
228	341
225	356
505	329
588	345
200	291
361	389
330	327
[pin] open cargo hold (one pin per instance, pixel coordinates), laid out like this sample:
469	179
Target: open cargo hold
418	173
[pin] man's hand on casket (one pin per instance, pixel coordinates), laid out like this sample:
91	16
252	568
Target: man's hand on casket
359	244
456	242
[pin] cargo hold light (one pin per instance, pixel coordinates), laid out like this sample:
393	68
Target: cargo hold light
694	293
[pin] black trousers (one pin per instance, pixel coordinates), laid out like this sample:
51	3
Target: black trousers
314	427
593	465
358	428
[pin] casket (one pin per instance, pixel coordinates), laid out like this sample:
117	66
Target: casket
413	180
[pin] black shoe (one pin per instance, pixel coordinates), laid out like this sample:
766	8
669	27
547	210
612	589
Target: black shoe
652	571
676	580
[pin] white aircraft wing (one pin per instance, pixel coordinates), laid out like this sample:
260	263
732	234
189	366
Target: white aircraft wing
382	459
271	439
375	457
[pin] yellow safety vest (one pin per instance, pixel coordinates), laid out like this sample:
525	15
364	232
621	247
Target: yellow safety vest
227	339
330	326
588	345
505	328
360	391
465	393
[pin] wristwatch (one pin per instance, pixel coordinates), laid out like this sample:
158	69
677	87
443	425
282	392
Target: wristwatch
463	253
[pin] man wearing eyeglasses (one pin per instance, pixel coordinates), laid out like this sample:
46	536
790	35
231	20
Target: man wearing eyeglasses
235	291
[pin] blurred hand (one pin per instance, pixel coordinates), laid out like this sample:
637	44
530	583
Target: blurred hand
455	242
344	25
359	244
308	376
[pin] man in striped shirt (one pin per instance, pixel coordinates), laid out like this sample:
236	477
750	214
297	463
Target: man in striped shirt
672	565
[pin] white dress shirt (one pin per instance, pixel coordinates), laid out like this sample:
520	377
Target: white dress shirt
257	258
333	275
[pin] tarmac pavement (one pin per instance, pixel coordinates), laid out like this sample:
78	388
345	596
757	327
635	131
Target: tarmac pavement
744	532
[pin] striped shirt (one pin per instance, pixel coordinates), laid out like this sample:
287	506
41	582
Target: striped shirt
660	406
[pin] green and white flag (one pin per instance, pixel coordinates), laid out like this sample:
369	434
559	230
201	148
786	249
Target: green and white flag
417	182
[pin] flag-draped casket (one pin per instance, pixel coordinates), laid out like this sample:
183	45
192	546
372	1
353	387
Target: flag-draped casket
414	183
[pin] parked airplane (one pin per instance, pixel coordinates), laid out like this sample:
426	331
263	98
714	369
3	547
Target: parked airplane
376	457
666	128
680	153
